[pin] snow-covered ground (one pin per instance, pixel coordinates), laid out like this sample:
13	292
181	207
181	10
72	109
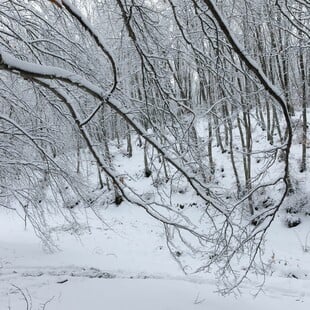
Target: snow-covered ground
130	268
122	262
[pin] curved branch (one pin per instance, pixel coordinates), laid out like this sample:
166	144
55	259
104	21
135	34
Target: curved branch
88	27
31	71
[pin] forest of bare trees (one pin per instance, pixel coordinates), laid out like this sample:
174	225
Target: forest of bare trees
189	82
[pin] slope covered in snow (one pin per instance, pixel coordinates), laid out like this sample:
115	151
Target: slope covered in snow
117	258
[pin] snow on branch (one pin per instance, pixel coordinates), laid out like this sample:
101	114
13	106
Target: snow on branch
30	71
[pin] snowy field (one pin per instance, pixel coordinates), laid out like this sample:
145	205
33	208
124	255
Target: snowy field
131	268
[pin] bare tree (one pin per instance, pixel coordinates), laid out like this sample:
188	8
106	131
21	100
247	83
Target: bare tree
157	72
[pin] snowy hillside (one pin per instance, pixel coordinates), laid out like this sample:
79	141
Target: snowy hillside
116	257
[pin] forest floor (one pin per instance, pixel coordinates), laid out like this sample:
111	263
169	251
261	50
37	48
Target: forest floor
121	262
130	267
